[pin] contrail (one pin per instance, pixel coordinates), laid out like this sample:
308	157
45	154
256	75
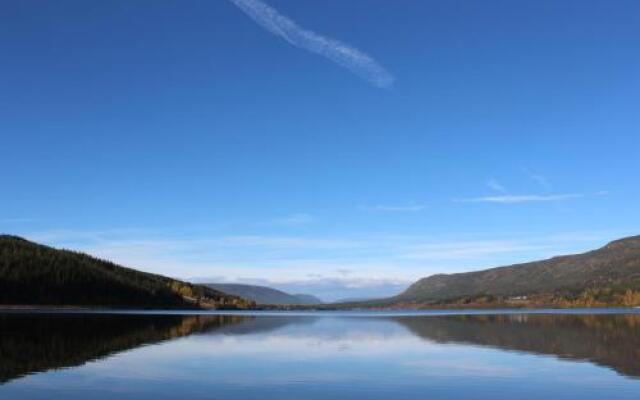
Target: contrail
349	57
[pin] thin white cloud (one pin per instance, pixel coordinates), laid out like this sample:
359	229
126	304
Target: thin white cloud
472	250
344	271
527	198
538	178
495	185
542	181
397	208
531	198
342	54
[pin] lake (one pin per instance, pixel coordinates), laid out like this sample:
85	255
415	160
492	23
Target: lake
583	354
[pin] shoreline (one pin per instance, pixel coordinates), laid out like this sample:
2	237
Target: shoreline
318	312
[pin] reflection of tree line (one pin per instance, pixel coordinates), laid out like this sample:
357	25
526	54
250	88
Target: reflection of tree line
608	340
32	343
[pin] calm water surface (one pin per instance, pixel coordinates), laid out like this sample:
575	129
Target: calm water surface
320	356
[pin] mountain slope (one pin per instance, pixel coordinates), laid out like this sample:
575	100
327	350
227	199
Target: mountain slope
33	274
607	275
307	299
263	294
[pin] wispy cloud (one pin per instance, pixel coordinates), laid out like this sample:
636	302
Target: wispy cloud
526	198
493	184
529	198
397	208
470	250
541	180
342	54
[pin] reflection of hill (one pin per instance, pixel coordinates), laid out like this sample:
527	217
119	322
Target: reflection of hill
33	343
608	340
267	323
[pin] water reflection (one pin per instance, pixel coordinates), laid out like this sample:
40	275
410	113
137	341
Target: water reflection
281	356
608	340
38	342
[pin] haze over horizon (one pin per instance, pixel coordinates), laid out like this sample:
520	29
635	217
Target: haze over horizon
341	149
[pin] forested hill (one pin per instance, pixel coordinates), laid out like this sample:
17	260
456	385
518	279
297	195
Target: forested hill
33	274
603	277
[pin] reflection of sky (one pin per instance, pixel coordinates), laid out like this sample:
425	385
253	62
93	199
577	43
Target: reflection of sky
325	358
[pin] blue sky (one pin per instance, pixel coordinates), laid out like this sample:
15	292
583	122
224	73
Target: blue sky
341	148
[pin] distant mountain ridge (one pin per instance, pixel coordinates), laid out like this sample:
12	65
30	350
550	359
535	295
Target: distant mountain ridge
264	295
606	276
34	274
308	298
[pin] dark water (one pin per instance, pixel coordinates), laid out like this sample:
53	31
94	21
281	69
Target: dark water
320	356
